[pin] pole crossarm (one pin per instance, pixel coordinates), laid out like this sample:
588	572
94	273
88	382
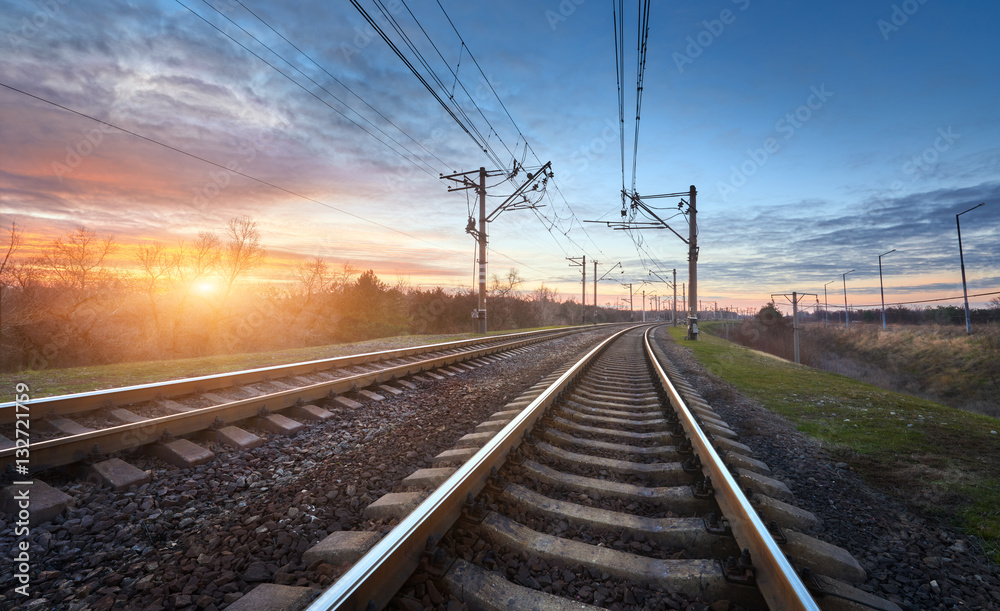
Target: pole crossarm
795	298
466	182
655	222
610	270
667	282
545	173
787	295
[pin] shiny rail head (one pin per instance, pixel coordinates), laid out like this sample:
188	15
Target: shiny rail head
777	579
168	388
396	555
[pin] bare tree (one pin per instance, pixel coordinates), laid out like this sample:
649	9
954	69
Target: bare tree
14	235
201	259
77	262
313	277
502	291
242	252
157	265
13	244
344	276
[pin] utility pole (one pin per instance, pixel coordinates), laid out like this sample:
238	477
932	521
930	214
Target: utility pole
796	298
693	262
881	288
632	203
465	182
826	305
673	309
684	298
595	291
961	257
631	309
847	313
582	263
596	280
643	305
481	314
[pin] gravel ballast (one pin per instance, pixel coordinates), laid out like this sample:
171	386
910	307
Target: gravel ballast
202	538
913	561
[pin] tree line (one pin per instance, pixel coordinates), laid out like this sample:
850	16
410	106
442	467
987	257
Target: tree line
71	305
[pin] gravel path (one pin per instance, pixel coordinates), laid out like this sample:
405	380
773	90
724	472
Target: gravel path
915	562
201	538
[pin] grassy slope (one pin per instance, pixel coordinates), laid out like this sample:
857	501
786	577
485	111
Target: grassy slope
51	382
944	461
947	363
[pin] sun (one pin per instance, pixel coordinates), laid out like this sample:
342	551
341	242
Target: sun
204	287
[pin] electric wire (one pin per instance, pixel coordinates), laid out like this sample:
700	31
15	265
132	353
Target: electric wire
229	169
481	113
414	70
878	305
387	14
481	141
642	39
321	100
341	83
487	80
618	19
313	81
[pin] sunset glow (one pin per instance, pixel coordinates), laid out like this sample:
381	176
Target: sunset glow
816	138
205	287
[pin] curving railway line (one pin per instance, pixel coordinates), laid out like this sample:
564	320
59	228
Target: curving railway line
611	482
79	427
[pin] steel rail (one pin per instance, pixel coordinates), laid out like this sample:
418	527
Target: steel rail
112	397
376	577
776	579
73	448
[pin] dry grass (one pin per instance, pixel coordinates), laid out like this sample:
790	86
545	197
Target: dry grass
933	361
943	461
937	362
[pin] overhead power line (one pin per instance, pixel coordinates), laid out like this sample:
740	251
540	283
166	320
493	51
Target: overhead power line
640	70
298	84
899	303
341	83
227	168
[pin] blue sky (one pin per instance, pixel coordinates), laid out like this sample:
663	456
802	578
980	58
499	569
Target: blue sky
819	135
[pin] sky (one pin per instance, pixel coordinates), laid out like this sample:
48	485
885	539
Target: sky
818	136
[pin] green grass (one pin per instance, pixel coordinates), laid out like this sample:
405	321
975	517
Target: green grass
51	382
943	461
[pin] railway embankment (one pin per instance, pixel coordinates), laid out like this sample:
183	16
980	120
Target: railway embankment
940	462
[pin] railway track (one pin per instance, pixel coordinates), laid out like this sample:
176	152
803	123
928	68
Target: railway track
611	483
87	427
